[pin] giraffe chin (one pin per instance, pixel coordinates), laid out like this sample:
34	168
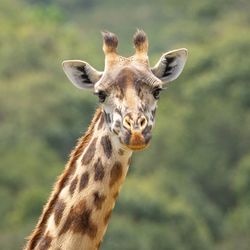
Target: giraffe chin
136	141
137	147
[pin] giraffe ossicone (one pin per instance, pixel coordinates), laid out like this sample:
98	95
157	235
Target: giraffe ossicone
77	213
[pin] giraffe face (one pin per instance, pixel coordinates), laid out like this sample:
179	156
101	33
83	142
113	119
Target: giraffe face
128	88
129	104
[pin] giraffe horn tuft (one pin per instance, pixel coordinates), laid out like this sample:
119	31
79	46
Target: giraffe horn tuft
141	42
110	42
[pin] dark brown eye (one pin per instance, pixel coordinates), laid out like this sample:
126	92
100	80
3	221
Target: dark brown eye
156	93
102	96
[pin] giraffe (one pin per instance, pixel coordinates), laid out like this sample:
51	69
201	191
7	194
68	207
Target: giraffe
77	213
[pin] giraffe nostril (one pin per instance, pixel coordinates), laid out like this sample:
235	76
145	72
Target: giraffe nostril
142	122
127	123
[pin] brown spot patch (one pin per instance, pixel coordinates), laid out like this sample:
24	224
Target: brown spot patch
121	151
147	130
115	131
98	199
59	208
107	146
85	225
99	170
153	112
107	117
67	223
45	242
119	95
68	177
118	111
72	186
84	181
116	173
90	152
118	123
107	217
79	221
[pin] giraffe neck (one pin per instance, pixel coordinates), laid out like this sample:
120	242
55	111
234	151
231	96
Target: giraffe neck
78	211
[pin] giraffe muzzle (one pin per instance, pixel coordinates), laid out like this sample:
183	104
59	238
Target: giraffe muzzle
138	134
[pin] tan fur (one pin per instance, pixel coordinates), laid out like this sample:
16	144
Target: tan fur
61	182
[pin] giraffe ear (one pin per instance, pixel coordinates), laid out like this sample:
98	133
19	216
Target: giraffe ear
81	74
170	65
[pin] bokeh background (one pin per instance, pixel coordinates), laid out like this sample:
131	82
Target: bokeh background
190	190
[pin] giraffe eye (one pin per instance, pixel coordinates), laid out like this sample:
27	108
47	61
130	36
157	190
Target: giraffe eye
102	96
156	93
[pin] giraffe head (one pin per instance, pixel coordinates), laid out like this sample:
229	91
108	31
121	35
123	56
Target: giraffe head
128	88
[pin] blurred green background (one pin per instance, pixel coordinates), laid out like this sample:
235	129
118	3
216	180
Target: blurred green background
190	190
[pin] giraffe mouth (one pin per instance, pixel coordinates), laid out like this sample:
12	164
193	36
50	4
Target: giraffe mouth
136	141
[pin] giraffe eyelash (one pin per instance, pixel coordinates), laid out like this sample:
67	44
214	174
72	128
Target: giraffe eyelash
156	92
102	95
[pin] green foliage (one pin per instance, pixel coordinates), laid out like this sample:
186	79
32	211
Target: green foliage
190	188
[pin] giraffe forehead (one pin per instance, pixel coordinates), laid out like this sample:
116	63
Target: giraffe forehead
127	78
134	76
130	86
127	74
